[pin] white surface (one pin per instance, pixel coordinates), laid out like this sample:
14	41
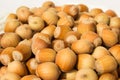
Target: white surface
8	6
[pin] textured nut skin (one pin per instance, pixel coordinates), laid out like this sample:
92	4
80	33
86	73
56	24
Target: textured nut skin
66	59
77	46
102	64
10	40
114	50
86	74
36	23
48	71
23	13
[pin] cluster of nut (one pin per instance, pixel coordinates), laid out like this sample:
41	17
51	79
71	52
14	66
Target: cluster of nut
67	42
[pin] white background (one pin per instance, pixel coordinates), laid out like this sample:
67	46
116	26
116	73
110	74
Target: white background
7	6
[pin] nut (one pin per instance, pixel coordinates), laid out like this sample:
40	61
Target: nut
114	50
86	74
85	61
23	13
83	8
69	75
71	10
11	16
105	64
10	76
58	45
24	31
110	13
32	65
109	40
107	76
66	59
115	22
77	46
39	41
3	71
95	11
86	25
36	23
11	25
100	27
50	17
48	4
22	51
10	40
92	37
99	52
60	31
49	30
38	11
48	71
6	55
45	55
66	21
102	18
17	67
71	36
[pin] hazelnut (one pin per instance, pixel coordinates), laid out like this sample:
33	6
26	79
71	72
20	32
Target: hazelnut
32	65
66	21
39	41
45	55
92	37
66	59
23	13
68	75
49	30
83	8
60	31
36	23
95	11
114	50
107	76
38	11
10	39
85	61
11	16
10	76
18	68
50	17
77	46
105	64
6	55
109	40
71	36
48	4
86	74
86	25
48	71
24	31
71	10
115	22
22	51
102	18
110	13
99	52
58	45
11	25
100	27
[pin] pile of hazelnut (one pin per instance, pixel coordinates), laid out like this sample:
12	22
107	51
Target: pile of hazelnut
70	42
